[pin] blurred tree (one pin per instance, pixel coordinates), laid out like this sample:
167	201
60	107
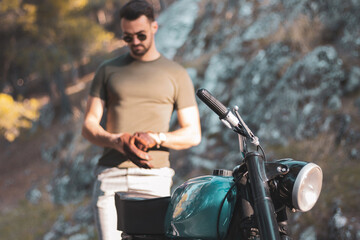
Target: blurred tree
15	115
39	38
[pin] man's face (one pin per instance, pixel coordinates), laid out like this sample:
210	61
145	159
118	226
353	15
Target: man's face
135	31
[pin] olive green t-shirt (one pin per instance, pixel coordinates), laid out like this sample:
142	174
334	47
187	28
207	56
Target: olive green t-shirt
141	96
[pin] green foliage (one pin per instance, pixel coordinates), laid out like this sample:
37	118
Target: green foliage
28	19
16	115
62	31
7	5
42	36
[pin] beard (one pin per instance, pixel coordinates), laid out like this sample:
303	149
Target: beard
139	50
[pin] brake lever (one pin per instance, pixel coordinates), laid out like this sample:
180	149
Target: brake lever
244	130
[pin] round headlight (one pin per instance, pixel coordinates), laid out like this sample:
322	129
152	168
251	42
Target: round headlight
307	187
300	188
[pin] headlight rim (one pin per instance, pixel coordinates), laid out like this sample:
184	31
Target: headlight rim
304	172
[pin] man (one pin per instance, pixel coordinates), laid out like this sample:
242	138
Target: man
139	91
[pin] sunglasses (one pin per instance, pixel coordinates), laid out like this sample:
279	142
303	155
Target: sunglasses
130	38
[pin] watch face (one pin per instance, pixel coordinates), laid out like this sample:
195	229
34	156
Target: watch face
162	137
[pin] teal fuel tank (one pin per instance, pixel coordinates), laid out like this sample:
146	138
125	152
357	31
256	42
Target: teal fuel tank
195	206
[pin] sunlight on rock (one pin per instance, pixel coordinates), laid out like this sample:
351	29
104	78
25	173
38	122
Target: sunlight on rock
174	27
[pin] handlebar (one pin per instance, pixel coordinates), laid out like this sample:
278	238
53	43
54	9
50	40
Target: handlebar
226	116
212	102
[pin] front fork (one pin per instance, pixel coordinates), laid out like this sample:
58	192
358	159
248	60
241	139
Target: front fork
254	206
263	205
254	209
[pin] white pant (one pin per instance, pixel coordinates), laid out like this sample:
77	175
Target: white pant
110	180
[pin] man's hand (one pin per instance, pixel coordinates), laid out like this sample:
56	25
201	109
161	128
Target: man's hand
126	144
145	141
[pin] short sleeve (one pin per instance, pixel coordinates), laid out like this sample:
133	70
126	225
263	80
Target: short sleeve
185	91
97	88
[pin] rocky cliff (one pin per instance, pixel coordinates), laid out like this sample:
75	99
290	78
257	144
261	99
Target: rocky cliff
292	68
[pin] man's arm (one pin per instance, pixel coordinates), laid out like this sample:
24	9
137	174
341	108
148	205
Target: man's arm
92	129
189	133
122	142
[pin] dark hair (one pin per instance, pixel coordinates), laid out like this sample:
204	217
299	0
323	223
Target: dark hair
135	8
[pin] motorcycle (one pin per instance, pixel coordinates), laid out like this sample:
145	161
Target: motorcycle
248	202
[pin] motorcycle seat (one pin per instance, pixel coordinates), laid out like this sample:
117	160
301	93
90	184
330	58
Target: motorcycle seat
140	213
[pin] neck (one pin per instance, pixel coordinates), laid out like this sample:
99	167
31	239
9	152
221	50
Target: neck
150	55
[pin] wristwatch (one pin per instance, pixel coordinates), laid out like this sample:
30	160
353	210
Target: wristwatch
162	138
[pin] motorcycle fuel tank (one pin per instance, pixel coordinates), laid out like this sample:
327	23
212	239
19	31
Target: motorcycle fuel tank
201	208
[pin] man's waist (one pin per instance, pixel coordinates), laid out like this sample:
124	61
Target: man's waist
113	158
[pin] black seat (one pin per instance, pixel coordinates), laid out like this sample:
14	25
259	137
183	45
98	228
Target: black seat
141	213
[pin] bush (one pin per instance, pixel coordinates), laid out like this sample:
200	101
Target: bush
16	115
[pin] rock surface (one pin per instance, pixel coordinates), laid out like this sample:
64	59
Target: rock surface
292	68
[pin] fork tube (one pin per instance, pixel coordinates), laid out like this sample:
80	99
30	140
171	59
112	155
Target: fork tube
242	145
263	205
